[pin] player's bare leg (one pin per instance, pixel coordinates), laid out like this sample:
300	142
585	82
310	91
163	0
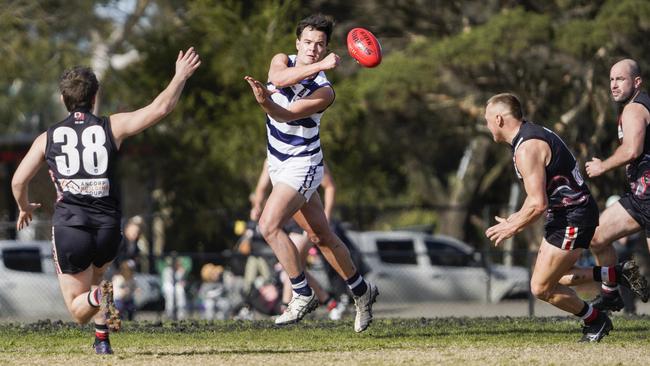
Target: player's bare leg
83	297
552	263
303	245
282	203
615	223
76	289
311	217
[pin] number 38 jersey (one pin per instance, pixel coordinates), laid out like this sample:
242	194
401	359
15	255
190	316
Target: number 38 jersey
81	154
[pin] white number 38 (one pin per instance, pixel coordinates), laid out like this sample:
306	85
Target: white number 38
94	155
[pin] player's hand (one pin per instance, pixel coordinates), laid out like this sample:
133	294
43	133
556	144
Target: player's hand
594	167
25	215
259	90
501	231
330	61
256	212
187	63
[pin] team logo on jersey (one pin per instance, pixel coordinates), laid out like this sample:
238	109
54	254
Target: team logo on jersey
89	187
79	118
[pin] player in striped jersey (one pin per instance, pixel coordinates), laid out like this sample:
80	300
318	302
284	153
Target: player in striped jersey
297	95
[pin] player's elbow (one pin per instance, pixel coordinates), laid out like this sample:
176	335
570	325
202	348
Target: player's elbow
539	208
632	154
17	183
163	110
279	82
284	117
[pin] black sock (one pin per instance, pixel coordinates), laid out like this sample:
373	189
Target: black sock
300	285
597	274
357	284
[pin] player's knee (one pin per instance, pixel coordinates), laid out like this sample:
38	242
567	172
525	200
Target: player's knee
268	230
597	244
322	237
79	317
315	238
541	291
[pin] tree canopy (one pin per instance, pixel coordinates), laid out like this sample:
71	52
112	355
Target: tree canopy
406	141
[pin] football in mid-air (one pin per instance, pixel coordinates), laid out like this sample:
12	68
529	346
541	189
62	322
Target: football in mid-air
364	47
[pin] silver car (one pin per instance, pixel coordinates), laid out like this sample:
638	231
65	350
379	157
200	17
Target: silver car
415	266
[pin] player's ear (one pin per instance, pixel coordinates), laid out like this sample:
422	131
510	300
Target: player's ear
637	82
297	43
499	119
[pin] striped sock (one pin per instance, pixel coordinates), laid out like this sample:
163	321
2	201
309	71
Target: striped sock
300	285
588	313
101	332
94	297
357	285
607	275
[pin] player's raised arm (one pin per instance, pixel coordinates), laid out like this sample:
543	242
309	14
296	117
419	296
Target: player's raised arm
23	175
281	75
124	125
314	103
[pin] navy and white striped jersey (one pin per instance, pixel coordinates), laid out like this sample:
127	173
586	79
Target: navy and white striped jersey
296	142
81	155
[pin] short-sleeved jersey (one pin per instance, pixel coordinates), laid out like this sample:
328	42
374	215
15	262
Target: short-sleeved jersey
569	199
638	171
81	155
296	142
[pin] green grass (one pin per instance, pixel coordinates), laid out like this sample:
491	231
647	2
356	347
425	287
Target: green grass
388	341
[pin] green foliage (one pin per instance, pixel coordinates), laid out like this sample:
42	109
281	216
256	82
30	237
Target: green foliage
36	45
395	134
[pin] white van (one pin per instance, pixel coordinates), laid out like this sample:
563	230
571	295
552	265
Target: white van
418	267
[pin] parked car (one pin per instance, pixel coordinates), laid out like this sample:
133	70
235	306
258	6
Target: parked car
415	266
29	287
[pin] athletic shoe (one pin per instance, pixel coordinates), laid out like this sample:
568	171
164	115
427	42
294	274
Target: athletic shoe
298	307
107	306
103	347
363	304
609	302
633	279
597	329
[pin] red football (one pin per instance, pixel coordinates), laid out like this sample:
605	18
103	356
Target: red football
364	47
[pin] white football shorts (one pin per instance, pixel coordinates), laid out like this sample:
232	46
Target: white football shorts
304	179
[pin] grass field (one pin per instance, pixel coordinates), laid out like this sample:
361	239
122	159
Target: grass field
446	341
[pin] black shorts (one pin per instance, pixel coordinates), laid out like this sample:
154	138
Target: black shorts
569	237
74	248
639	210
